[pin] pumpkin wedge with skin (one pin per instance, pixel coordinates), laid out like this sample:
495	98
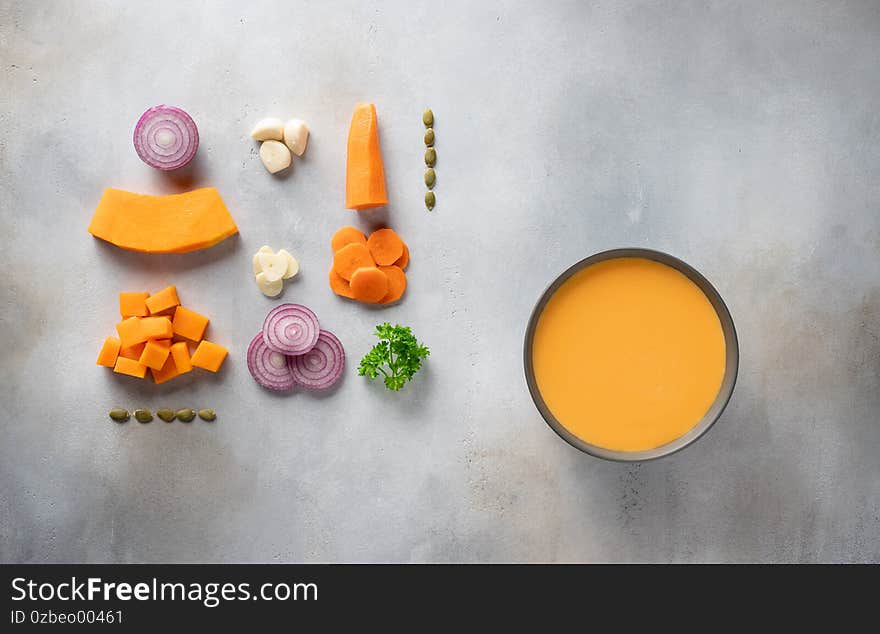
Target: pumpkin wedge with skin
177	223
364	172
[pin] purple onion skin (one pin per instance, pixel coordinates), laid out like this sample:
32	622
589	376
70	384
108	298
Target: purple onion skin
175	121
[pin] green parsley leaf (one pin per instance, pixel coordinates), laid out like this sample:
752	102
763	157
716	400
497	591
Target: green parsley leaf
397	356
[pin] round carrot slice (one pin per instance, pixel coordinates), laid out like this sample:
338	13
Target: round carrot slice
369	284
403	260
385	246
350	258
340	285
396	283
347	235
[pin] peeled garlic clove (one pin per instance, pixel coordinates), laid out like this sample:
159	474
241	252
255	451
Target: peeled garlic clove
275	156
269	288
292	265
296	136
265	249
270	129
273	265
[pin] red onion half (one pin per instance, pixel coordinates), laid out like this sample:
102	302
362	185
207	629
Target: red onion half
291	329
320	367
166	138
269	368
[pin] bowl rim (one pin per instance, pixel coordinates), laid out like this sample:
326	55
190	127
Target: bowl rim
731	366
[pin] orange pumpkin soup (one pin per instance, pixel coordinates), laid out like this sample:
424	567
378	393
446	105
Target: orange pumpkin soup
628	354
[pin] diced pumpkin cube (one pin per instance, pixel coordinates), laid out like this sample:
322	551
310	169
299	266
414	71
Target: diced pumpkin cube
209	356
156	328
180	352
130	332
166	299
188	323
130	367
132	352
109	352
167	372
133	305
155	354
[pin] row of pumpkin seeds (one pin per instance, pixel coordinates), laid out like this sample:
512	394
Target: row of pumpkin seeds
168	415
430	159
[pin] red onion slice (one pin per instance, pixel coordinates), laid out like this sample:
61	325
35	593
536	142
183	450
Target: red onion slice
320	367
291	329
166	138
269	368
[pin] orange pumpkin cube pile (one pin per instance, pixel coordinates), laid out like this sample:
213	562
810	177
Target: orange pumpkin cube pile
155	334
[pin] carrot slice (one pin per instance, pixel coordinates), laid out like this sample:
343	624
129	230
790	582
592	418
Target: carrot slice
350	258
340	285
364	172
369	284
396	283
347	235
385	246
403	260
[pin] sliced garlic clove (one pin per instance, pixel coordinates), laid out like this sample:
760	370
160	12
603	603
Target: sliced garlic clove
269	288
270	129
256	260
292	264
273	265
296	136
275	156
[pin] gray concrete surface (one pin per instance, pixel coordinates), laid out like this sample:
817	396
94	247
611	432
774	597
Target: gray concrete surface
741	137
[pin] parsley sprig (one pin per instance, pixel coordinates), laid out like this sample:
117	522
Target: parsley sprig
397	356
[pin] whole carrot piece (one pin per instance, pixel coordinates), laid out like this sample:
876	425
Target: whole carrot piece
364	173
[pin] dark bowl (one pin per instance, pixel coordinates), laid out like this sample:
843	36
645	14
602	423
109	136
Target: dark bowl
730	368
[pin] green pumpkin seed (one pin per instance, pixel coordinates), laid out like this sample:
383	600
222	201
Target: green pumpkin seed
430	200
143	415
166	414
185	415
430	177
207	414
119	415
428	118
430	157
429	136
